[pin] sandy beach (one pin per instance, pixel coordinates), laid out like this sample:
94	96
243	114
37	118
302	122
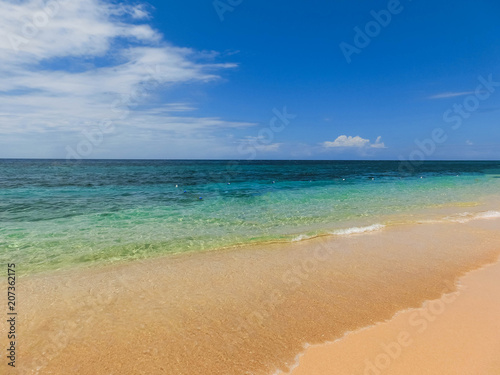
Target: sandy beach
252	310
234	187
459	333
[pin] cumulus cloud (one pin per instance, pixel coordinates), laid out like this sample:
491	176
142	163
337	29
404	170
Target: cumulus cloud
378	143
67	65
345	141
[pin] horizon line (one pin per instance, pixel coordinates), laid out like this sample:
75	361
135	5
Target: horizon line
246	160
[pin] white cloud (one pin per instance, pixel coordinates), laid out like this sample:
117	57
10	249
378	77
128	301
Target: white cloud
38	30
469	142
137	11
378	143
260	143
273	147
345	141
69	64
446	95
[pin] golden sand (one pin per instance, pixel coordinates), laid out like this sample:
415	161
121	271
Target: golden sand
458	333
240	311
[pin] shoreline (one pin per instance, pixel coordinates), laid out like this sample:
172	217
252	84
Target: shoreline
247	309
449	214
322	359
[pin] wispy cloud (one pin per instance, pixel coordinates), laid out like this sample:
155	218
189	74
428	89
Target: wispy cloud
94	60
260	143
344	141
446	95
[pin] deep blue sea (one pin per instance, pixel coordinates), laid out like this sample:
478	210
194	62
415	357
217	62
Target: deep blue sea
56	214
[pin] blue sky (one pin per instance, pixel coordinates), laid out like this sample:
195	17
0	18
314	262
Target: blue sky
214	79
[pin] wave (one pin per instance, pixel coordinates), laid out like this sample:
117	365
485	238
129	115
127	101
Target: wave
465	217
301	237
358	230
341	232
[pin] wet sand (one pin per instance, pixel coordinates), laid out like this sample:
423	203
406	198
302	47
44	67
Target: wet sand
458	333
238	311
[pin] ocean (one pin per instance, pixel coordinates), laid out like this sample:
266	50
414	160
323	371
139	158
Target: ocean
58	214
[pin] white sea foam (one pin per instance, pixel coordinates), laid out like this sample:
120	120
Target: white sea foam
301	237
465	217
344	232
358	230
488	215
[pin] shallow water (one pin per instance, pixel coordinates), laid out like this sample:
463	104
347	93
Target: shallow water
55	214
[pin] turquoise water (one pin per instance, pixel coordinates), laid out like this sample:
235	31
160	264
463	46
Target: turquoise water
56	214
